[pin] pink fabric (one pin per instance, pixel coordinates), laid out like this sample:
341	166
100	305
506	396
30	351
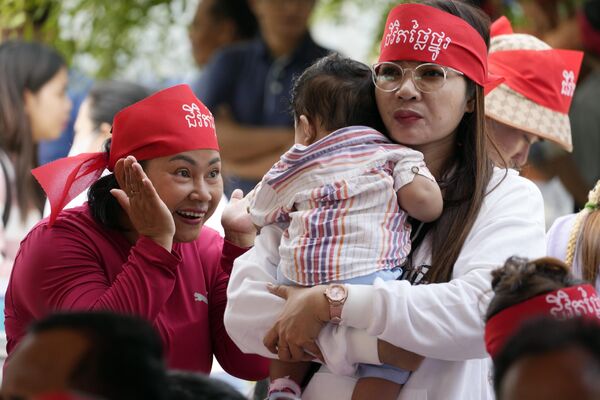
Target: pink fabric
80	265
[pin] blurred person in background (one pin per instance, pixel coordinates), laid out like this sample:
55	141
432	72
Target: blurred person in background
248	86
574	238
532	105
50	150
542	363
577	28
114	357
37	14
218	23
550	359
95	117
33	106
573	25
585	112
527	289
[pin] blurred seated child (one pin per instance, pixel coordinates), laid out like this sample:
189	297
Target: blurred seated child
526	290
550	359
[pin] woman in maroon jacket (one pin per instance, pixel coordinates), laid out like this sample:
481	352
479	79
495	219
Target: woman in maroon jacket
138	246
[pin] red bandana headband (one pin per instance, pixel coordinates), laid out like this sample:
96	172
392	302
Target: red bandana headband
170	121
416	32
570	302
546	77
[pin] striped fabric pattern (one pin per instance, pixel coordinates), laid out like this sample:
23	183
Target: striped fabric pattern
338	200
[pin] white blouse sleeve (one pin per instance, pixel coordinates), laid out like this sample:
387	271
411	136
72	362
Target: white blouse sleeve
251	310
445	320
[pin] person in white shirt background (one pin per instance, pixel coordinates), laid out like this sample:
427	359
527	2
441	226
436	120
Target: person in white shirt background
573	238
490	214
94	120
34	106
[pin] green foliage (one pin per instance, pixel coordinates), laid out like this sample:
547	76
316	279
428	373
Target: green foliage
106	32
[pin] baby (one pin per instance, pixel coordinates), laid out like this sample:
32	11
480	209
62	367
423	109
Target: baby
344	192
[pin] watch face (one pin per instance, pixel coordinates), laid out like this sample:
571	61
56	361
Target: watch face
336	293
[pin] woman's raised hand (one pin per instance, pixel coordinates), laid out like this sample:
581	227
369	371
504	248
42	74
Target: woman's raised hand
148	214
236	221
294	335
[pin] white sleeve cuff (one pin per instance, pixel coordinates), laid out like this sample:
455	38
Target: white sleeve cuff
358	307
344	348
362	347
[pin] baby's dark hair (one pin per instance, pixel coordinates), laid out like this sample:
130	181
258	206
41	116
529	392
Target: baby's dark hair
521	279
336	92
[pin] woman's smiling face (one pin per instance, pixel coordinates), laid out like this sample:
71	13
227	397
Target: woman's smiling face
190	185
421	120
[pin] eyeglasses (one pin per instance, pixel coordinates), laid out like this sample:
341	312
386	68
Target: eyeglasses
429	77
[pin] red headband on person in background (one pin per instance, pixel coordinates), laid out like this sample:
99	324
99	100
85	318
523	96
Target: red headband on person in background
416	32
569	302
170	121
546	77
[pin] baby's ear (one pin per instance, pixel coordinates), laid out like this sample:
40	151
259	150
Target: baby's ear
307	130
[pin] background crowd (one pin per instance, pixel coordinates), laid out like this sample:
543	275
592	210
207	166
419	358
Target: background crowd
502	122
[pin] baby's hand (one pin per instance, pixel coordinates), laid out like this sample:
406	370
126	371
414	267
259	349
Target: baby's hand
236	221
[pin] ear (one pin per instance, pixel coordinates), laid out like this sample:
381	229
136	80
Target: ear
104	129
308	131
470	106
28	100
103	133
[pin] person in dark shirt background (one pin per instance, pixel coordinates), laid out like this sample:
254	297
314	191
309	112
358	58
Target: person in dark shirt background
247	85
